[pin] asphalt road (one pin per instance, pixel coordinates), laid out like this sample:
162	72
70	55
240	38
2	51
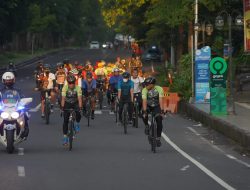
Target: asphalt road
192	157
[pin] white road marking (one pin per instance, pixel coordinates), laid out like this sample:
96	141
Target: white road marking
239	161
217	148
198	125
98	112
198	164
21	171
111	113
243	105
36	108
194	131
185	168
20	151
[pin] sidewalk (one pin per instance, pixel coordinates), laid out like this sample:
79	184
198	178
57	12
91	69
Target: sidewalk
236	127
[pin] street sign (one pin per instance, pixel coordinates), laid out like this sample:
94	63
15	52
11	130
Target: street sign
218	99
202	74
218	68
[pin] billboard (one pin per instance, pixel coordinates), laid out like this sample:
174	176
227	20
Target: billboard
246	10
202	74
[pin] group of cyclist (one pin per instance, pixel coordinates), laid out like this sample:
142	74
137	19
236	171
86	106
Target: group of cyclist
75	83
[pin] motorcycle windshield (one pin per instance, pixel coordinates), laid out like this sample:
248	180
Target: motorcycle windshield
10	98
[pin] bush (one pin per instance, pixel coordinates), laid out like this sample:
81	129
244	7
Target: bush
182	82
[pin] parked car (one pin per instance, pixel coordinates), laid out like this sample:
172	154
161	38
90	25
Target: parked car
94	45
152	54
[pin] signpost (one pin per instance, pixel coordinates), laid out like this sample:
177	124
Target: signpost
218	98
202	59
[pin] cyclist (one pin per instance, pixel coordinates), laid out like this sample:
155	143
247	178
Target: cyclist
71	98
101	76
38	74
48	83
88	68
138	82
152	100
113	87
8	80
89	89
67	65
125	95
60	78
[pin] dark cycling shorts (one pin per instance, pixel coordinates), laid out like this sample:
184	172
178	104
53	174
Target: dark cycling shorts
43	93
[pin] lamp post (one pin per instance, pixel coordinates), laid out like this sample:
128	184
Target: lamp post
219	23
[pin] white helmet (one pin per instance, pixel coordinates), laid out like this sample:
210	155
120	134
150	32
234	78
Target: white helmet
116	70
8	78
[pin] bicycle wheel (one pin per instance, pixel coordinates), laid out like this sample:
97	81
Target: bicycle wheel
71	134
136	113
125	118
47	111
100	98
88	112
153	136
116	110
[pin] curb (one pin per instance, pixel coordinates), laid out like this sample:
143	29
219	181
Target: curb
229	130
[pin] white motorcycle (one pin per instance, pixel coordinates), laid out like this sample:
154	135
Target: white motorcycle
12	121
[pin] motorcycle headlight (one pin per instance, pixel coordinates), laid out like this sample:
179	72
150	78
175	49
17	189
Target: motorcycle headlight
5	115
14	115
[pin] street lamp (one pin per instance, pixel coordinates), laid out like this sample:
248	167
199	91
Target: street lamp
206	28
219	23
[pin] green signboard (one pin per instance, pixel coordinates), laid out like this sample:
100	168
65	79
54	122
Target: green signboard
218	99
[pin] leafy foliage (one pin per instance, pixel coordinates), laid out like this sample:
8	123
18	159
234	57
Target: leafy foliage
182	82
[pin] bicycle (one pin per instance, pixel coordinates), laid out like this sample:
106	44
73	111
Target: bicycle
100	95
71	127
136	112
47	107
115	107
125	118
153	133
88	109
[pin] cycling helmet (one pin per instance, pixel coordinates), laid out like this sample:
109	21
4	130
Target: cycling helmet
89	75
8	78
46	67
150	80
59	64
126	75
116	70
71	79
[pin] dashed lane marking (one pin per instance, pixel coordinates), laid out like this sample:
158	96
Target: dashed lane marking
20	151
185	168
21	171
98	112
198	164
239	161
217	148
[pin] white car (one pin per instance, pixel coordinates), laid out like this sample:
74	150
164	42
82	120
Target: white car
94	45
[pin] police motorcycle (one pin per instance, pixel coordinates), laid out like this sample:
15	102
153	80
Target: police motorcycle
12	119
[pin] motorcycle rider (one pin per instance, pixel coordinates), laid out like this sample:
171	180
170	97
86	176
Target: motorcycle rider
8	80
